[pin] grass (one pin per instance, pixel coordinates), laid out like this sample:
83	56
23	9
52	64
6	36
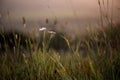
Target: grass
55	57
96	57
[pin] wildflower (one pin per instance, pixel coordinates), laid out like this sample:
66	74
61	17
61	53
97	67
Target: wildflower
42	29
52	32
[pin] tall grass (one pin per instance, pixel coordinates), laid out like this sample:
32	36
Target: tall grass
94	57
101	61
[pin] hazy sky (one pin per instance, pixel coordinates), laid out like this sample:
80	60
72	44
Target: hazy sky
48	8
87	11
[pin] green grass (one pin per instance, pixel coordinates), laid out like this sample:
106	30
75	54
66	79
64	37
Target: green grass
99	60
56	57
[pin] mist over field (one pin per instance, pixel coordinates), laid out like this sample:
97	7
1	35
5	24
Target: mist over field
72	16
59	39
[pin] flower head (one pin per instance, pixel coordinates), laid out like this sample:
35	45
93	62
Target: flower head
42	29
52	32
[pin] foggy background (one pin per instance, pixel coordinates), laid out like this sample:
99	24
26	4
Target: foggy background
71	16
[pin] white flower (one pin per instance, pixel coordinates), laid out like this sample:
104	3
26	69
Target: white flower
42	29
52	32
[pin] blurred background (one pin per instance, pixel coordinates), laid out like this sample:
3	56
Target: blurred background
69	16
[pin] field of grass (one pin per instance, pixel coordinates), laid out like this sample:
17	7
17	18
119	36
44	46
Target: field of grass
95	57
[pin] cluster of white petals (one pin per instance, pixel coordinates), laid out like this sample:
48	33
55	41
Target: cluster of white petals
45	29
42	29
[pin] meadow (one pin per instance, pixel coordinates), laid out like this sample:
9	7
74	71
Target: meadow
95	57
54	56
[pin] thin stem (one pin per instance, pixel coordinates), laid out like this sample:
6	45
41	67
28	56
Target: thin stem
101	15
